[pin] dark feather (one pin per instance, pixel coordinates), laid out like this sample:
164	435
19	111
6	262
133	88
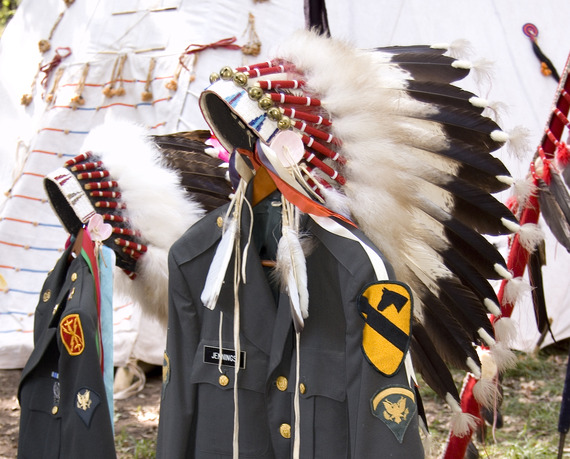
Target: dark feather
479	160
201	174
450	339
474	166
473	207
444	95
535	263
464	126
469	244
429	364
464	305
469	276
566	175
430	67
416	49
553	215
560	193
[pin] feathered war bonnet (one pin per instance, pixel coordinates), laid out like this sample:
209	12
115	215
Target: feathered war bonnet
123	175
391	144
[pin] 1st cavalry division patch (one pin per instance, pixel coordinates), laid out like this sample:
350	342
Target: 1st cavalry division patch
71	333
387	311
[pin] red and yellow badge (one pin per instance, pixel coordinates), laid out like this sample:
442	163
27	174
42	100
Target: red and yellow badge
386	308
71	333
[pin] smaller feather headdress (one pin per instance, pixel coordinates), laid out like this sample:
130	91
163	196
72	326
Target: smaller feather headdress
150	189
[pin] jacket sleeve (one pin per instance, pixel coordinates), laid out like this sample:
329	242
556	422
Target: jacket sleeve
383	405
177	403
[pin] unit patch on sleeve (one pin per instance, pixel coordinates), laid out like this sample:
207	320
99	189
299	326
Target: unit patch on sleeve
86	401
386	308
395	406
71	333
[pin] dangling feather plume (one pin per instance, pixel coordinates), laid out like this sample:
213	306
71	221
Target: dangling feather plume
292	272
219	266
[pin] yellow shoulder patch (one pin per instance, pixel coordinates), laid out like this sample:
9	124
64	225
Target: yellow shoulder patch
386	308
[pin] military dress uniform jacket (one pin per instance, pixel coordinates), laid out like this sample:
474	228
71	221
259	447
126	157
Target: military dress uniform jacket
64	411
338	385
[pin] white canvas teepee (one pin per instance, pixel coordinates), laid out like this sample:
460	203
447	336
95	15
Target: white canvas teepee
137	45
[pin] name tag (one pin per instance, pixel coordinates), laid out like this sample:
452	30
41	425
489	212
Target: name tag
227	357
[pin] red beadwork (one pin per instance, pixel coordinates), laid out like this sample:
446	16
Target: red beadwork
86	166
314	132
79	158
324	167
110	205
295	100
260	65
261	71
286	84
101	185
92	175
114	218
308	117
105	194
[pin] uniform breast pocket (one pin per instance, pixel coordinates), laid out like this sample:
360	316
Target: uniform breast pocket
213	373
323	406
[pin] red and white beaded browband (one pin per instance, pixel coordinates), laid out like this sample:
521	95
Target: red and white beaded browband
268	106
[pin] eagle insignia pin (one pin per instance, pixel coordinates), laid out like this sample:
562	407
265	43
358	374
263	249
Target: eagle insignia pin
71	333
86	401
386	308
395	406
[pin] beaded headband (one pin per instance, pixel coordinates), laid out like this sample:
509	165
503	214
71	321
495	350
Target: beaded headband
82	188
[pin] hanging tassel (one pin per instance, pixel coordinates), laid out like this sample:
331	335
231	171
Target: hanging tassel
253	45
172	84
546	66
146	96
77	98
109	89
44	45
51	95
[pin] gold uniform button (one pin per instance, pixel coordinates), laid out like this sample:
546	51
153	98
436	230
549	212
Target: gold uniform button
285	430
281	383
54	410
224	380
55	308
46	295
73	277
220	222
302	388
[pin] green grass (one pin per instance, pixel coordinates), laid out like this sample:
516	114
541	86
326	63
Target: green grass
532	394
128	446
